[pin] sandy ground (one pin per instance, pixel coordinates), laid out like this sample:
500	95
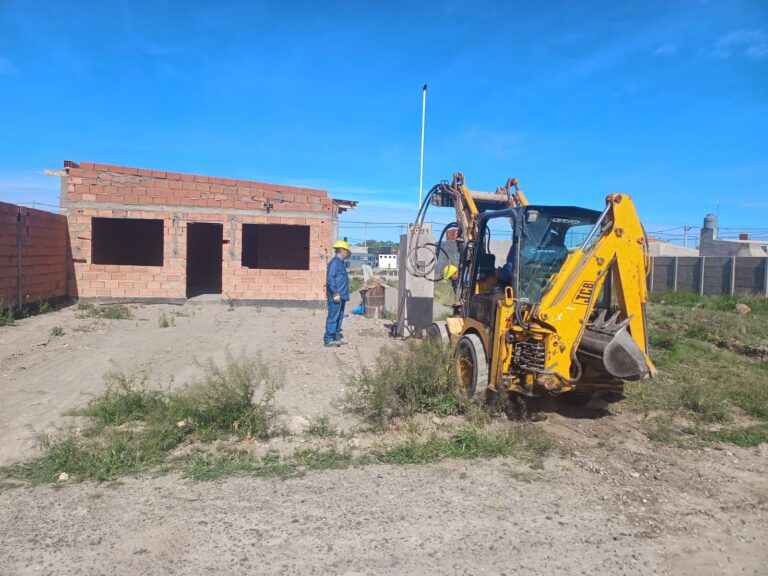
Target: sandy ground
610	502
43	376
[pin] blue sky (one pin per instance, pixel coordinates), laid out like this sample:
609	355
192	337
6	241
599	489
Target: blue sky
667	101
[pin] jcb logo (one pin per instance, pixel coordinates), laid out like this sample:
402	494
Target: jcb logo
584	293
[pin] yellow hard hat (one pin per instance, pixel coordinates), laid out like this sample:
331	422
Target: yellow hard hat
449	271
342	244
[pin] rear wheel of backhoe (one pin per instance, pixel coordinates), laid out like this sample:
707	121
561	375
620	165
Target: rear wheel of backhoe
471	366
438	332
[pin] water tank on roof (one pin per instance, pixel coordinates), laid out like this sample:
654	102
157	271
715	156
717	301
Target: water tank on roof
710	222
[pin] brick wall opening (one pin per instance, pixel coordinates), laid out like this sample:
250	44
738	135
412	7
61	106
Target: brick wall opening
276	246
127	241
204	250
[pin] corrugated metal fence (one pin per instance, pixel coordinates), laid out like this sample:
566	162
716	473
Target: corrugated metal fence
710	275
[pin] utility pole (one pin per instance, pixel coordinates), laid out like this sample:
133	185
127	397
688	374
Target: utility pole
423	119
685	235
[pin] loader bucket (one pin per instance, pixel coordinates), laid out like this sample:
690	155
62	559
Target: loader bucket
608	347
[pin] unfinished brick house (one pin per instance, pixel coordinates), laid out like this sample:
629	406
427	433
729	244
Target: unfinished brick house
155	235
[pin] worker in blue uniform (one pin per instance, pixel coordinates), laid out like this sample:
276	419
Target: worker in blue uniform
337	294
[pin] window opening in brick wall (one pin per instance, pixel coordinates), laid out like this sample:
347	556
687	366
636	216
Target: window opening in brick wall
276	246
127	241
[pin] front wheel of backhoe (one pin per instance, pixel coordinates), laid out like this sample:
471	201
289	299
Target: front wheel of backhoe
471	366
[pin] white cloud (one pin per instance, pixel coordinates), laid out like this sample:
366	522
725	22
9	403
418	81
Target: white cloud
752	44
6	67
757	51
665	49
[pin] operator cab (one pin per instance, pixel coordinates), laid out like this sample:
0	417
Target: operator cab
539	239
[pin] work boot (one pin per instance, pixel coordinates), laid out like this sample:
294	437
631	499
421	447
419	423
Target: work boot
332	344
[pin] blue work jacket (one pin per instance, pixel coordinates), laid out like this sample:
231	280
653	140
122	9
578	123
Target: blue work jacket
337	279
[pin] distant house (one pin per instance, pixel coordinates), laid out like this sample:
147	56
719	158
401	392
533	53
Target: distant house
388	261
358	260
659	247
710	245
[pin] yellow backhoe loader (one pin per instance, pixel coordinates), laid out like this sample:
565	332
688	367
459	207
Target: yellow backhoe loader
564	311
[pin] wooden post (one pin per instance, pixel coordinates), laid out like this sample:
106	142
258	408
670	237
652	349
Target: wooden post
701	276
733	275
674	275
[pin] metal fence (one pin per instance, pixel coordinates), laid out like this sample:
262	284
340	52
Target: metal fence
710	275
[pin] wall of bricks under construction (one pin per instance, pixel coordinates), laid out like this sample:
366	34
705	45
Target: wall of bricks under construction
33	255
98	190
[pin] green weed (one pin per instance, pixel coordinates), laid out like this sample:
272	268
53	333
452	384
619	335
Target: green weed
6	314
725	302
699	346
134	426
466	443
164	322
208	466
418	378
108	311
57	331
321	427
745	437
355	283
111	454
314	459
111	312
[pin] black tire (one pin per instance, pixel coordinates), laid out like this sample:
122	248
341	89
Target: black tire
471	366
438	332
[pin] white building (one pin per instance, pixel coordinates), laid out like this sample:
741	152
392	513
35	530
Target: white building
388	261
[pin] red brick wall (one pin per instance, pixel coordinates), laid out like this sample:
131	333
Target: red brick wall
43	252
96	190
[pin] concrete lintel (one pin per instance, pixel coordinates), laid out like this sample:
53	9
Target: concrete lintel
195	209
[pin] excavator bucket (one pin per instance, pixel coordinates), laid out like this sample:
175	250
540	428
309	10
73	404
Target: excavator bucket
608	347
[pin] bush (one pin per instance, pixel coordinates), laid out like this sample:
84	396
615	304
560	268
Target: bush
225	398
57	331
135	426
418	378
6	314
321	427
127	399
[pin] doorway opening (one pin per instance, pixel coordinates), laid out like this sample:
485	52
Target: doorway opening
204	249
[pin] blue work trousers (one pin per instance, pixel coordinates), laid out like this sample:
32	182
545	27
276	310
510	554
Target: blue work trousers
333	321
